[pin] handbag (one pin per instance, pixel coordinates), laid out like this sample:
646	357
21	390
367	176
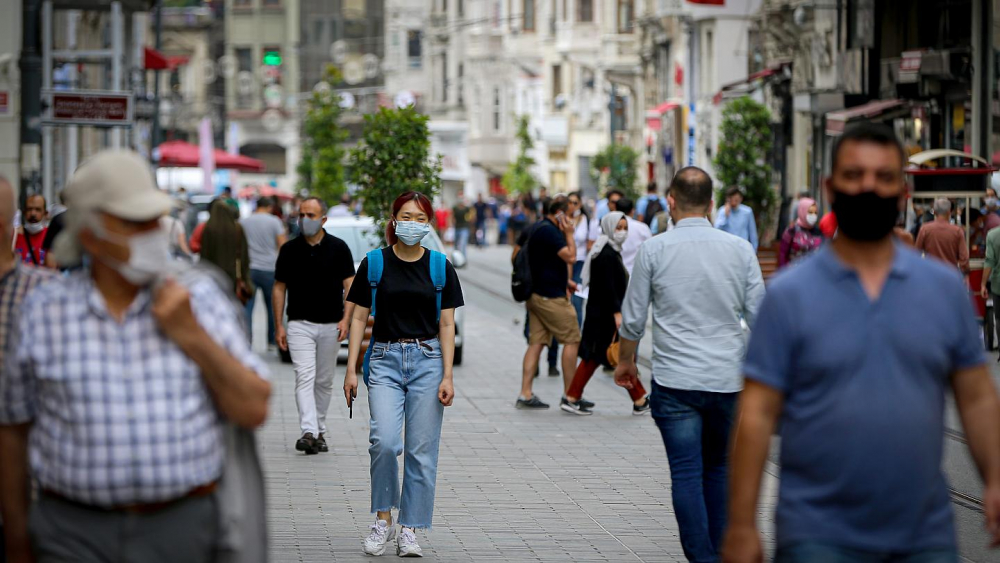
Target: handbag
243	291
613	351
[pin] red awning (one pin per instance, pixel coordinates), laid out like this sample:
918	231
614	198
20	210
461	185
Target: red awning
653	116
836	121
155	60
182	154
759	75
708	2
251	192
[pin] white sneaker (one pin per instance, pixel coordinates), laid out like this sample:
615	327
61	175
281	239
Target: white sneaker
382	534
406	544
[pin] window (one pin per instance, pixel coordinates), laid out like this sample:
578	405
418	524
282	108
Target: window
556	81
271	3
318	27
272	155
444	6
461	8
529	15
565	11
245	78
585	10
414	48
496	110
625	16
461	76
241	3
444	77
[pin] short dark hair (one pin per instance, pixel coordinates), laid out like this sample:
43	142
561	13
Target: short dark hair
691	188
265	202
322	204
345	198
734	190
868	132
616	192
554	205
651	187
625	205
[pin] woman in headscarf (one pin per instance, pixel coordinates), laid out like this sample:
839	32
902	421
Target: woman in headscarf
224	244
605	275
802	237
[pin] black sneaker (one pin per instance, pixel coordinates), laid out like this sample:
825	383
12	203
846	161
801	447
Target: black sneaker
585	403
307	444
533	403
574	408
554	372
321	443
641	409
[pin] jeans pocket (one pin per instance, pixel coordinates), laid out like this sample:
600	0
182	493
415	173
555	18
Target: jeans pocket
431	350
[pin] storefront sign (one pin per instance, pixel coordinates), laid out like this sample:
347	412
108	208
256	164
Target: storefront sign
80	107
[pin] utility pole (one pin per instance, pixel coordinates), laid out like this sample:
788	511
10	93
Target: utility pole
612	109
982	77
31	101
158	22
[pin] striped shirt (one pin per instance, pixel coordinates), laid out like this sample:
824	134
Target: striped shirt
14	286
120	414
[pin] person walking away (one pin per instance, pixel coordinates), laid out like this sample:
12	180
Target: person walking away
161	367
550	313
603	207
292	225
990	285
977	234
313	272
482	213
698	345
991	210
803	237
605	272
581	234
32	233
638	233
460	220
265	235
342	209
413	293
647	207
174	228
224	245
736	218
859	386
942	240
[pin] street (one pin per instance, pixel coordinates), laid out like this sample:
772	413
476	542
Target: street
514	485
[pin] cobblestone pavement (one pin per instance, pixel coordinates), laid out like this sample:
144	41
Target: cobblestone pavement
512	485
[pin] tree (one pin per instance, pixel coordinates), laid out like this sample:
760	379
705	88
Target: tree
518	178
615	167
742	158
321	169
393	157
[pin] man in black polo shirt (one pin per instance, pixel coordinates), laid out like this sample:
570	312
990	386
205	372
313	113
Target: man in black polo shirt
308	269
552	253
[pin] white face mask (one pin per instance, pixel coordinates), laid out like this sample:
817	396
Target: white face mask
812	218
577	213
148	256
34	228
619	237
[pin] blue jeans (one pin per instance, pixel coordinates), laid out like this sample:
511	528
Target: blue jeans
817	552
553	356
264	281
403	383
462	240
695	426
578	301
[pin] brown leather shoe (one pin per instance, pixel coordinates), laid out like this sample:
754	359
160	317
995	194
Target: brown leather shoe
321	443
307	444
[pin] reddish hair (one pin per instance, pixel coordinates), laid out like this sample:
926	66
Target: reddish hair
423	202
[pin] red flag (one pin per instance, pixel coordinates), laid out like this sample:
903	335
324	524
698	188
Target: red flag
710	2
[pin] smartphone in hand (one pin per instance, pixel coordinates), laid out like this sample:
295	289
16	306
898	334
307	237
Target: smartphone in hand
350	403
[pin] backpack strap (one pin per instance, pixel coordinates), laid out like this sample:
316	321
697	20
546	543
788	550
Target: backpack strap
438	277
374	272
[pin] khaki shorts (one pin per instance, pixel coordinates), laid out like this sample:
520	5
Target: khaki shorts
550	317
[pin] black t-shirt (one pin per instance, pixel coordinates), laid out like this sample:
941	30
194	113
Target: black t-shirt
549	274
55	227
315	278
406	303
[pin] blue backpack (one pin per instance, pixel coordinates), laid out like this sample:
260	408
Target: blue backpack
438	277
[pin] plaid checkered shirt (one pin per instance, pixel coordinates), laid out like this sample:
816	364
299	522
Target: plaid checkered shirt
120	414
14	286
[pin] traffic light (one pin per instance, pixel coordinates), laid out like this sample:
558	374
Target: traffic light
272	58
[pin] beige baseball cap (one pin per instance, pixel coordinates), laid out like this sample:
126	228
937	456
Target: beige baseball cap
117	182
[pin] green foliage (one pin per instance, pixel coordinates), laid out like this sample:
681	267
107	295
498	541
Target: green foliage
393	157
321	169
518	178
617	167
742	158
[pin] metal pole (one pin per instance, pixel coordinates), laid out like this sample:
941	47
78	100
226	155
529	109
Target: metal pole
72	131
612	106
31	99
982	79
138	40
158	19
47	85
118	53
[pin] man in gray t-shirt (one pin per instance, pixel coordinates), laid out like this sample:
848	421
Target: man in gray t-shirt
265	234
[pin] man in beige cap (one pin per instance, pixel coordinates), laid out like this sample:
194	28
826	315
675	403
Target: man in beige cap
123	378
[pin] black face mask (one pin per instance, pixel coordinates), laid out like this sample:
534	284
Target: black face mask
866	216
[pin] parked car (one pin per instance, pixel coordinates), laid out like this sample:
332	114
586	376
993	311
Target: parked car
360	236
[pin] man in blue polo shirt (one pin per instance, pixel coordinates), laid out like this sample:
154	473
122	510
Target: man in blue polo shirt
857	377
736	218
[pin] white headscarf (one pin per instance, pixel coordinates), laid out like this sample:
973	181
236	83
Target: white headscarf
609	224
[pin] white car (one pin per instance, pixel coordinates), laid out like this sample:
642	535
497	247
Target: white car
359	234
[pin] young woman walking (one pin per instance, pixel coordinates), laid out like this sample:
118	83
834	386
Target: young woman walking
605	275
413	293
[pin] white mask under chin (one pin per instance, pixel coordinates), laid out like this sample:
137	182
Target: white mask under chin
149	257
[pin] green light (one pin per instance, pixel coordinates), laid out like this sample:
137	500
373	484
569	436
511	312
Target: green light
272	58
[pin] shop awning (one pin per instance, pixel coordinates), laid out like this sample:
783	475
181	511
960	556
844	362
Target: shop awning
836	121
653	116
155	60
734	87
181	154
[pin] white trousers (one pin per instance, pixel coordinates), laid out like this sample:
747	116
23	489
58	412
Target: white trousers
314	350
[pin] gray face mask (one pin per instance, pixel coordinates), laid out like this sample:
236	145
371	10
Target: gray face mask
311	226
